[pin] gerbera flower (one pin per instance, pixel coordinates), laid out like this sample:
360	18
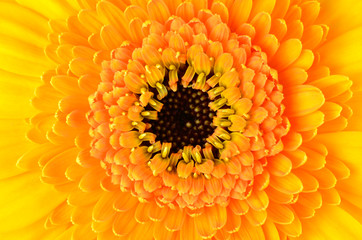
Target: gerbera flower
227	119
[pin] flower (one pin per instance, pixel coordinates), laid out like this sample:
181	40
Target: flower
181	119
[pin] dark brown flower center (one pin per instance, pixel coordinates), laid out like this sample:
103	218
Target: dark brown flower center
185	118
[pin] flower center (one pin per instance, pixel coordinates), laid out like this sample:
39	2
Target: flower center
185	119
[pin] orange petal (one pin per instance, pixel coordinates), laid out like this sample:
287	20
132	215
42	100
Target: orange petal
103	210
124	223
258	200
288	52
239	13
279	213
279	165
302	100
175	219
307	122
289	184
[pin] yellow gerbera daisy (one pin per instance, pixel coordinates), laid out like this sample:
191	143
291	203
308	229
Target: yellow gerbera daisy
171	119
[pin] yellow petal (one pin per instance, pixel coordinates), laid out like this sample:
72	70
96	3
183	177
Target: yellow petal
34	231
288	52
279	213
54	170
289	184
249	231
294	229
189	231
124	223
307	122
103	209
111	14
175	220
262	6
270	231
333	223
158	10
310	183
305	60
279	165
256	218
26	205
53	9
258	200
30	24
239	13
302	100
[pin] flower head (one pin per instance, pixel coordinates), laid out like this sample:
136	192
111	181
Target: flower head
193	119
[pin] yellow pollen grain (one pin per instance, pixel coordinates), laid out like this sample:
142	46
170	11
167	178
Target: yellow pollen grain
150	149
225	123
218	145
159	85
143	90
142	136
195	175
125	43
185	157
146	23
169	168
164	152
147	69
207	176
160	49
225	136
146	113
143	76
198	157
152	102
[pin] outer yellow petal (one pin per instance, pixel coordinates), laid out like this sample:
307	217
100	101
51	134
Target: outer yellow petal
16	92
34	231
25	200
52	9
12	144
331	223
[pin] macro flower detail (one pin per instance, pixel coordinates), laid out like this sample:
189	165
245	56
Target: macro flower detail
228	119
